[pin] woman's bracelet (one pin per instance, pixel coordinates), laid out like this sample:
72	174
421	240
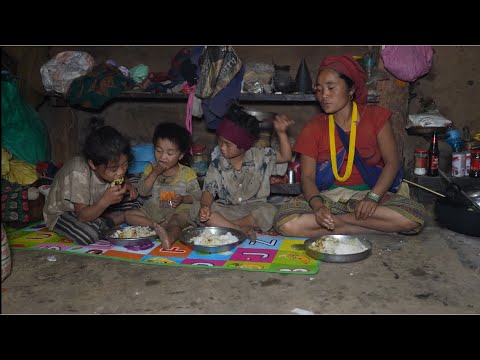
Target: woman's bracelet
313	197
374	197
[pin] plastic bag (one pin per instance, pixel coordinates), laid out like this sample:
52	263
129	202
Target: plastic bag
17	171
143	155
6	156
407	63
24	134
59	72
218	66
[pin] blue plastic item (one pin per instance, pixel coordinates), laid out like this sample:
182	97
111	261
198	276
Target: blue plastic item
454	140
137	167
142	156
143	152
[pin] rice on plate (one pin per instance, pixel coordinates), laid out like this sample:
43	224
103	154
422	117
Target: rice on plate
212	239
331	245
206	238
132	232
338	248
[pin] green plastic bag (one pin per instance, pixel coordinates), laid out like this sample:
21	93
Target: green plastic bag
24	133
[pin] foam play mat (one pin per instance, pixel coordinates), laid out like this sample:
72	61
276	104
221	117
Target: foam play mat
267	253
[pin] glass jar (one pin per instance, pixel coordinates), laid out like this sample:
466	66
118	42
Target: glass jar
474	164
199	159
421	159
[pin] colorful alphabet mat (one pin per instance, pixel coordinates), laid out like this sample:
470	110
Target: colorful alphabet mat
267	253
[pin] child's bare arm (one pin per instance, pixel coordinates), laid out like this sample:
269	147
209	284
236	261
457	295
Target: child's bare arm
87	213
205	211
281	124
145	185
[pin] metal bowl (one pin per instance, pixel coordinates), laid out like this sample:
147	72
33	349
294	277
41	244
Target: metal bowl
337	258
265	118
426	130
190	233
107	235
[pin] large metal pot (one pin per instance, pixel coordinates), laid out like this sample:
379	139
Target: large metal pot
458	211
458	217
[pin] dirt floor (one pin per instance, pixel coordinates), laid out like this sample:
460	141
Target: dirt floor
436	272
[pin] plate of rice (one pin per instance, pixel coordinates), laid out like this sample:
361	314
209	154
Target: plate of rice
338	248
131	235
212	239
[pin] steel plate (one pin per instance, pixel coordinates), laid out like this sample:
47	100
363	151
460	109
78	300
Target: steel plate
337	258
107	235
190	233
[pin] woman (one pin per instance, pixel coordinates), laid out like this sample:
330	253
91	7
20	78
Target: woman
346	182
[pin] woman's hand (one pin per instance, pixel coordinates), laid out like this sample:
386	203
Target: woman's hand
324	217
177	200
204	213
132	191
365	208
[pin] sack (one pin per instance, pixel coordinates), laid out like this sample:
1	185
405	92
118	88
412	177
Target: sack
21	173
407	63
24	134
93	90
218	66
59	72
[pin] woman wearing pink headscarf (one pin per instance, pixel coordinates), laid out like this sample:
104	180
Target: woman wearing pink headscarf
237	182
350	168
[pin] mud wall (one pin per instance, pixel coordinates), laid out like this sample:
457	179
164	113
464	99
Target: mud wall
453	82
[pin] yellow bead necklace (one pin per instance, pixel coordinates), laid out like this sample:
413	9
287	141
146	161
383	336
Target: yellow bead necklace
351	147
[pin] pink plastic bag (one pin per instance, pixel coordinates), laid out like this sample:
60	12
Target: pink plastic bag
407	63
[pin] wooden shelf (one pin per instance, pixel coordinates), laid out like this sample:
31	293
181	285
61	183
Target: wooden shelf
244	97
137	95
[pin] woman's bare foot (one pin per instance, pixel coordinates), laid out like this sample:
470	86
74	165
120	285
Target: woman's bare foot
165	238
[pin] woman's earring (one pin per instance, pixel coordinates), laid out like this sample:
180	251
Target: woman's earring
351	96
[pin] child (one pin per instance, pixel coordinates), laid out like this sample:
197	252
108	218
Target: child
173	186
85	187
239	175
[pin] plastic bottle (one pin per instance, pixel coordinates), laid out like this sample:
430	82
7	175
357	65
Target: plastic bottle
200	159
433	156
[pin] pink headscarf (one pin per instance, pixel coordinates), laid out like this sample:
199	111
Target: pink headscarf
347	65
236	134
